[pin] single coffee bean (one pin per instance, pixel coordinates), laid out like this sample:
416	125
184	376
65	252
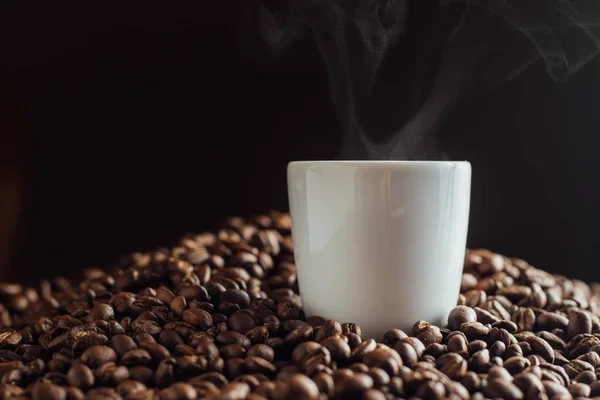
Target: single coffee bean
540	347
579	322
136	357
431	390
241	322
338	348
47	391
458	344
407	353
460	315
549	320
232	350
430	335
178	391
497	388
392	336
198	318
516	364
129	387
81	376
474	330
231	337
524	318
579	390
142	374
351	385
384	359
86	340
98	355
329	328
262	351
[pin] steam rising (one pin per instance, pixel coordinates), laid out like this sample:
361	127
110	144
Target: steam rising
476	44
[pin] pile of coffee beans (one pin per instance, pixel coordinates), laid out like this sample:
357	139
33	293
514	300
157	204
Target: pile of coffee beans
218	316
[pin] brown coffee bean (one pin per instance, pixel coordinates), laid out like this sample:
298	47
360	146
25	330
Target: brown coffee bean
516	364
300	335
338	348
548	321
47	391
431	390
86	340
235	391
142	374
407	353
524	318
178	391
110	374
101	311
156	350
98	355
416	343
258	365
384	359
231	337
232	350
351	385
474	330
262	351
540	347
475	298
497	388
81	376
136	357
460	315
453	365
241	322
576	367
579	390
329	328
554	390
178	305
579	322
528	383
129	387
197	318
365	347
458	344
392	336
430	335
586	377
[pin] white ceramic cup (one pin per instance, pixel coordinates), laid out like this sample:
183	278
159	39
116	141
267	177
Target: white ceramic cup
379	243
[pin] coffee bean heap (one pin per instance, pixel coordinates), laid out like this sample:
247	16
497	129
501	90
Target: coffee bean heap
219	317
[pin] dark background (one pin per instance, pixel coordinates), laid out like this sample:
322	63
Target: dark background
140	122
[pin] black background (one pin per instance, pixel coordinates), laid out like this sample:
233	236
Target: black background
145	121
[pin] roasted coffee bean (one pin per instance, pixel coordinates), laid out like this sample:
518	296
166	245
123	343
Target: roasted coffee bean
47	391
198	318
338	348
549	320
458	344
81	376
262	351
110	374
460	315
579	322
392	336
407	353
232	350
241	322
136	357
98	355
351	385
497	388
231	337
327	329
384	359
142	374
156	350
540	347
524	318
122	344
474	330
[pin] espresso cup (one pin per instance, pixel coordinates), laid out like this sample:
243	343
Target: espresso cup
379	243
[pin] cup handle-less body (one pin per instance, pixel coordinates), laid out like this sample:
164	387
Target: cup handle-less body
379	243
